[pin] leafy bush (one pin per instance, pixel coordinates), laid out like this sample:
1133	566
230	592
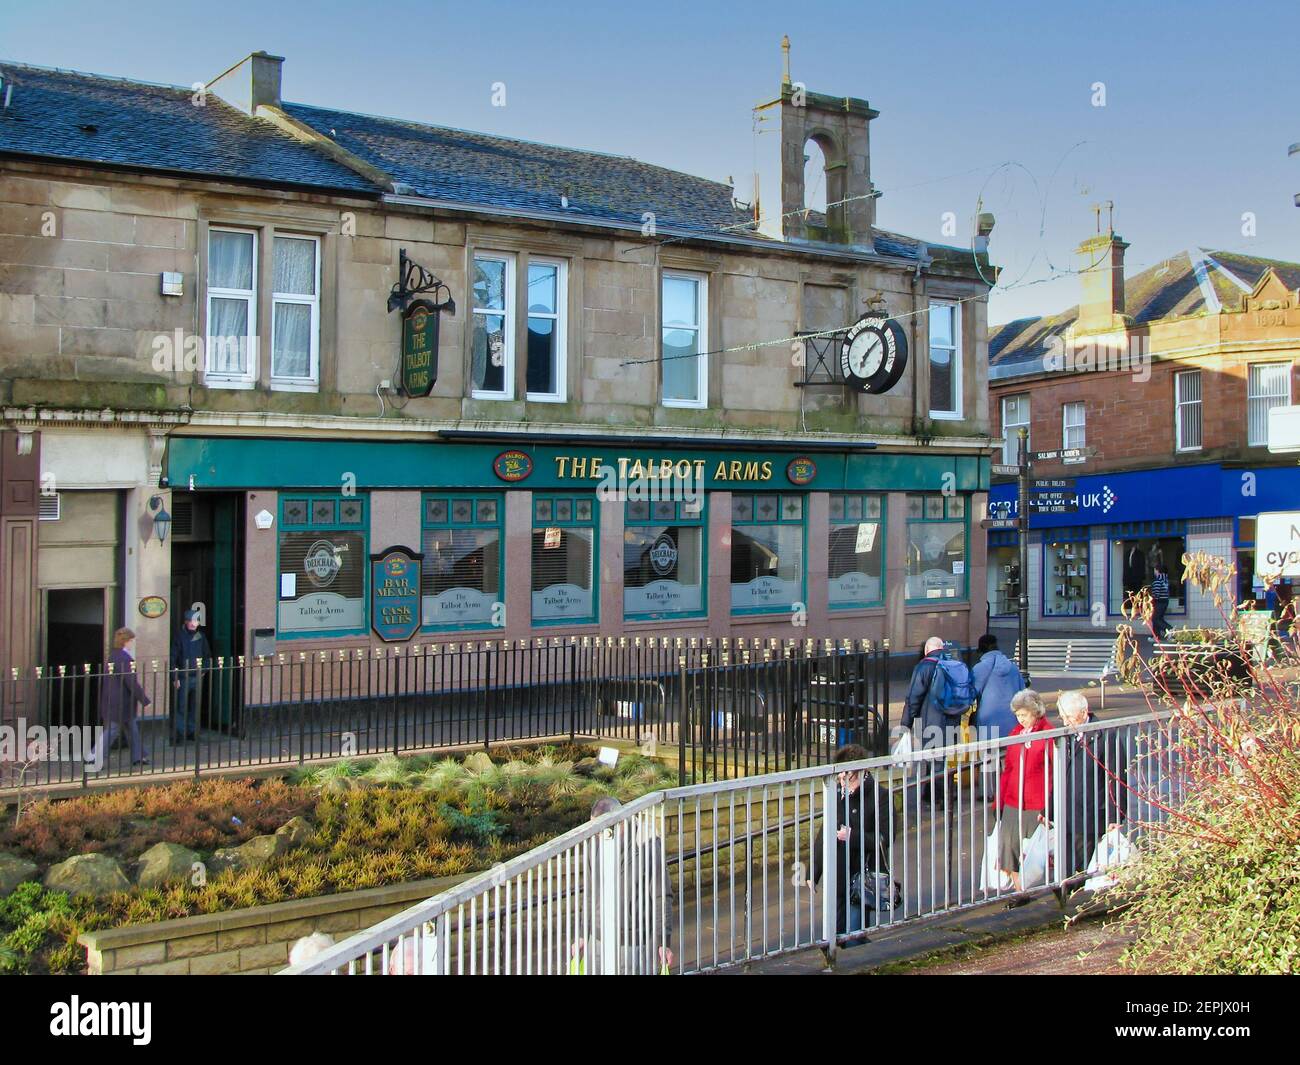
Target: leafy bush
1215	884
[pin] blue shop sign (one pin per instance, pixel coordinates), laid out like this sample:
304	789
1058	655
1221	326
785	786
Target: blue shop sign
1173	492
395	594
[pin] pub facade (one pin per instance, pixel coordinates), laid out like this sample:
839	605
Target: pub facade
389	382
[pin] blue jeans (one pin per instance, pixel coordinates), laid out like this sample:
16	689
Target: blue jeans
185	711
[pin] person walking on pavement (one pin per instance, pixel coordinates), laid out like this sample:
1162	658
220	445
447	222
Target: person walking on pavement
190	654
919	705
859	800
1159	601
1025	788
997	679
1094	776
119	694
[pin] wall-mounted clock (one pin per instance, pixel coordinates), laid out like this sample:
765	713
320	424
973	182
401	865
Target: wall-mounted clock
873	355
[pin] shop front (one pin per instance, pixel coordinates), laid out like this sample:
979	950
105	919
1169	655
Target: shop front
1083	565
514	539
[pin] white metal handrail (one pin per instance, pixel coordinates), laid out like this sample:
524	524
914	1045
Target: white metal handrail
715	874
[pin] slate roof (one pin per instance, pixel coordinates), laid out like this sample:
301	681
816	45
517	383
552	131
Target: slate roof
154	127
1174	288
92	119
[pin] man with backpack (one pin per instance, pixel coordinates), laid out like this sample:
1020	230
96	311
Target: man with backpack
940	692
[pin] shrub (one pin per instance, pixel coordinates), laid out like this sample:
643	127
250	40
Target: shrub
1215	884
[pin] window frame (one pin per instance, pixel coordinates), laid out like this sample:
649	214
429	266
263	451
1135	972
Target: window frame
281	382
701	522
561	319
1180	403
573	523
1082	426
701	281
1285	397
1014	441
508	284
336	526
956	414
802	522
475	496
882	540
248	379
946	519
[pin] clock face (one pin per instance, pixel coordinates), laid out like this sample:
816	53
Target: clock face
866	353
873	354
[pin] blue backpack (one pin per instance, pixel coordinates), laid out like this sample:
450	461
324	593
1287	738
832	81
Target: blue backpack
951	687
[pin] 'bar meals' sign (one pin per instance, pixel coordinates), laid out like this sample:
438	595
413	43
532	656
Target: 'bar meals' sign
395	594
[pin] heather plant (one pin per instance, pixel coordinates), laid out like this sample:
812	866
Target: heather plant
1215	884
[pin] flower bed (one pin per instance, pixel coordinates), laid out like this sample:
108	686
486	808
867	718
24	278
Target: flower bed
232	844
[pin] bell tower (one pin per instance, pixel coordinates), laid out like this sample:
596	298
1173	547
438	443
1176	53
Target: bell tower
839	126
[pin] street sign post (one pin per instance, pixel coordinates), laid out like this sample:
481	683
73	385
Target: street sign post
1068	454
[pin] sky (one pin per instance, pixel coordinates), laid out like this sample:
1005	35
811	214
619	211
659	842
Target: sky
1181	114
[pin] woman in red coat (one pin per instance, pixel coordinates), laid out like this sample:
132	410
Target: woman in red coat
1026	784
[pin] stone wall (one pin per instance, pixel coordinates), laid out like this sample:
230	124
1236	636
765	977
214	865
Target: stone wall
253	941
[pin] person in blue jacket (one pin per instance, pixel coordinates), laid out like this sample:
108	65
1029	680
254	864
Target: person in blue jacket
996	679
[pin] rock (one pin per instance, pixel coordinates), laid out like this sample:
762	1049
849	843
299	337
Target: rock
165	863
478	762
261	849
87	874
223	859
586	767
336	785
14	871
298	831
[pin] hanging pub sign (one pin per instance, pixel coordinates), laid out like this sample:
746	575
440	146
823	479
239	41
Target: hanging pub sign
873	354
395	594
419	348
419	357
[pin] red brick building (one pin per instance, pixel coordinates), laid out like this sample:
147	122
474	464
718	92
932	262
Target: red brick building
1168	376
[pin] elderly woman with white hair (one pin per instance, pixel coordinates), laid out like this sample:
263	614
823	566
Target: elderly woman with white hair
1025	788
1094	790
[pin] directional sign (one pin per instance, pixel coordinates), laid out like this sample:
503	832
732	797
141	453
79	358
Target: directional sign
1000	523
1062	484
1053	507
1069	454
1006	471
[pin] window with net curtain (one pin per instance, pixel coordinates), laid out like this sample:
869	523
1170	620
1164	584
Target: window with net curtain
684	361
945	361
295	308
232	261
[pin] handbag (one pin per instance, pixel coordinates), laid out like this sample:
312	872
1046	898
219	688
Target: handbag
874	891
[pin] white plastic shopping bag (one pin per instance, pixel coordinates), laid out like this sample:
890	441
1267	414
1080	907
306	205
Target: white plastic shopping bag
1036	857
991	877
902	750
1113	850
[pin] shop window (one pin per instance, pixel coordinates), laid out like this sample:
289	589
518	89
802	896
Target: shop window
856	550
1003	573
1268	386
663	559
945	360
684	340
231	341
323	565
1065	573
564	558
295	312
461	575
767	544
492	353
1133	552
546	331
1187	410
1015	416
936	547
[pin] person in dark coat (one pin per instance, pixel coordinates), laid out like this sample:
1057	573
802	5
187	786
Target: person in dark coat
1094	800
919	706
190	655
119	695
1135	569
859	800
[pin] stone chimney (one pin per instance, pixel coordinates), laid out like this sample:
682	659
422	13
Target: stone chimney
838	125
1101	270
250	83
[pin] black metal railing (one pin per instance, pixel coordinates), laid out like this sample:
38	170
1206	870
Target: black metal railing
731	706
